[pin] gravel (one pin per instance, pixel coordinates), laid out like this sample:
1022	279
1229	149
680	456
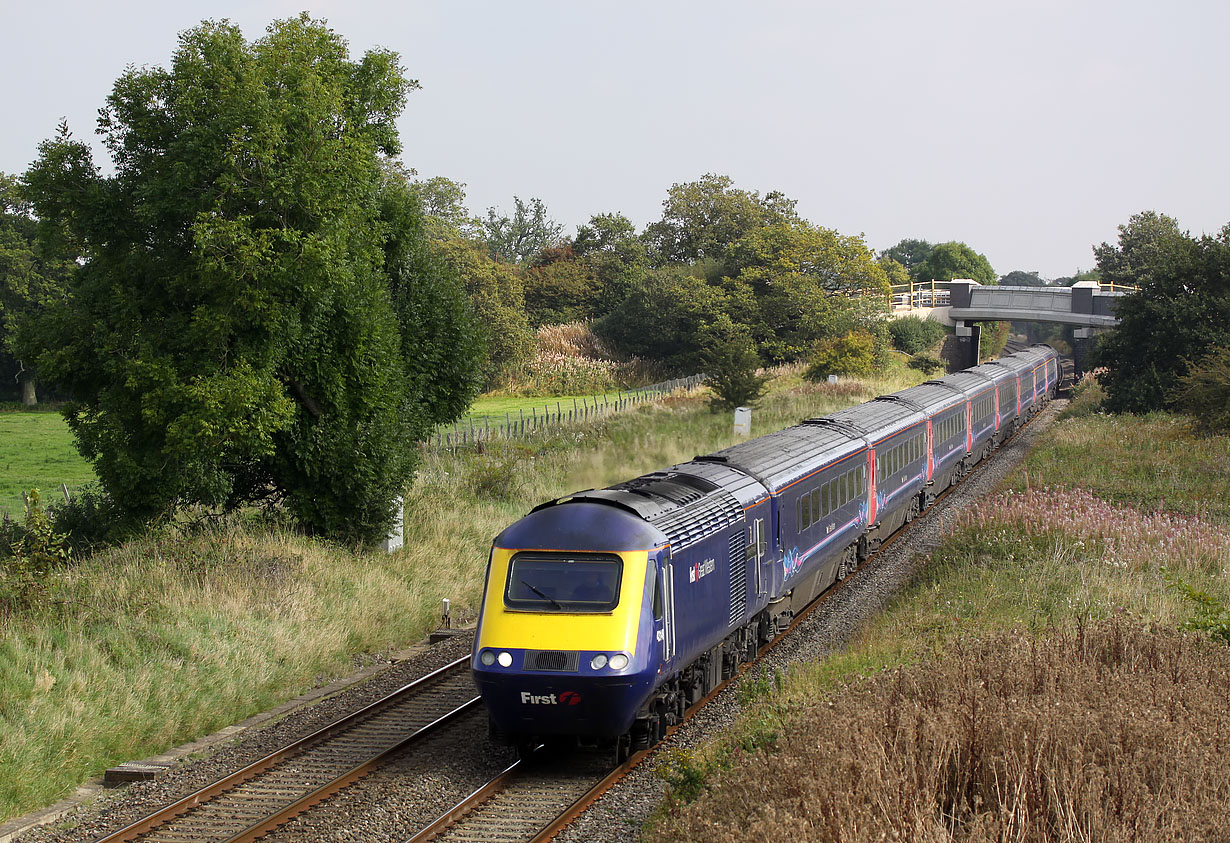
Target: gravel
391	803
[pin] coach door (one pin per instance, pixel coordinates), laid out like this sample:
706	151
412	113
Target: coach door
664	610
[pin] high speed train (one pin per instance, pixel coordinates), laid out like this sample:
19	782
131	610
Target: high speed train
609	611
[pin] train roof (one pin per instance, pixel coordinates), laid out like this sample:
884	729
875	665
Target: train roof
781	458
931	397
579	525
876	419
683	507
968	381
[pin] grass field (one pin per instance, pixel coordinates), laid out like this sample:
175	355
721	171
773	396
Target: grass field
1032	684
37	452
196	626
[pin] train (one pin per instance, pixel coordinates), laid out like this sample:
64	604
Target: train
608	612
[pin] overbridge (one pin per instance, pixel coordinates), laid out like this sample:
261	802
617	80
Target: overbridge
1086	305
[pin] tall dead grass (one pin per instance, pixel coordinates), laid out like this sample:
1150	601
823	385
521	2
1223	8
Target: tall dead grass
1109	732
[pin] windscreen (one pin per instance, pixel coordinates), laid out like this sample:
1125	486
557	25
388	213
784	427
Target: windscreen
551	582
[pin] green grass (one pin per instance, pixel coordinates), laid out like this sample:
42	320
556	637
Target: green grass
194	626
37	452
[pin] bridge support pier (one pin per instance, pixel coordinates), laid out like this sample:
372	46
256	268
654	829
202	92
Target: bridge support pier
1082	344
968	336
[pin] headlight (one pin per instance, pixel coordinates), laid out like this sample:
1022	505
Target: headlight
598	662
618	661
487	658
505	659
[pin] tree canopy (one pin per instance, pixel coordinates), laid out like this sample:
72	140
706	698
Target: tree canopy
1179	314
31	280
255	301
517	239
955	260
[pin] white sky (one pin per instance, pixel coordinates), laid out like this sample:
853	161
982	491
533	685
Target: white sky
1030	130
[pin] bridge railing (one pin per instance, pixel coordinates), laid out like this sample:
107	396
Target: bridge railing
927	294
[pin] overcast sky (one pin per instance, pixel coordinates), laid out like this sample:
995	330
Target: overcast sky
1029	130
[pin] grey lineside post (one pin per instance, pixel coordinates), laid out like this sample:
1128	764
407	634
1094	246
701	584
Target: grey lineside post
743	421
395	538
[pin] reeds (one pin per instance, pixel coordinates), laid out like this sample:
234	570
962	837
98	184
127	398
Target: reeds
1104	732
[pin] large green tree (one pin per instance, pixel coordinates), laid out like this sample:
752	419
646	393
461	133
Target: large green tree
910	253
1179	313
233	332
521	237
704	218
31	280
954	260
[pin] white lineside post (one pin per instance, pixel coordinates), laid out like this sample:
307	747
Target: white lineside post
395	538
743	421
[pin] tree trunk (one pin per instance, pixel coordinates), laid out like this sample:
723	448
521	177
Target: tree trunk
28	395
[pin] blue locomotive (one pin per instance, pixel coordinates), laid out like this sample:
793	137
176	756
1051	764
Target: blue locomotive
606	613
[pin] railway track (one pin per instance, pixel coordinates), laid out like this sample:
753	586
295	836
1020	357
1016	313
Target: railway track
256	799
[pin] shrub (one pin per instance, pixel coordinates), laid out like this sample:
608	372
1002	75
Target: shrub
1204	392
913	335
731	368
852	354
33	554
92	519
1087	397
926	363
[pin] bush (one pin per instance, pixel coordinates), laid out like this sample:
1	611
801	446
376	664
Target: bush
913	335
31	555
92	519
926	363
731	368
1087	397
1204	392
853	355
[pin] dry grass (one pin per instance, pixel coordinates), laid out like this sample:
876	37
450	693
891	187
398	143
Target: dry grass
1109	732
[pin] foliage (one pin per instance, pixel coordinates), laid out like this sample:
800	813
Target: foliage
1204	392
1020	278
560	289
443	204
32	278
1087	397
29	557
527	232
913	335
955	260
992	339
702	219
926	363
1179	313
1212	615
498	298
909	253
853	355
231	333
730	363
92	519
664	316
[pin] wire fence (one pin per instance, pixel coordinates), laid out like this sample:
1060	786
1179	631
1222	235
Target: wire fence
554	414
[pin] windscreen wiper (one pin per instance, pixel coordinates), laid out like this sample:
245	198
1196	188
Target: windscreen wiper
550	600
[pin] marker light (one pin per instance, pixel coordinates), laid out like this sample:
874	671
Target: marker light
487	658
598	662
505	659
618	661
